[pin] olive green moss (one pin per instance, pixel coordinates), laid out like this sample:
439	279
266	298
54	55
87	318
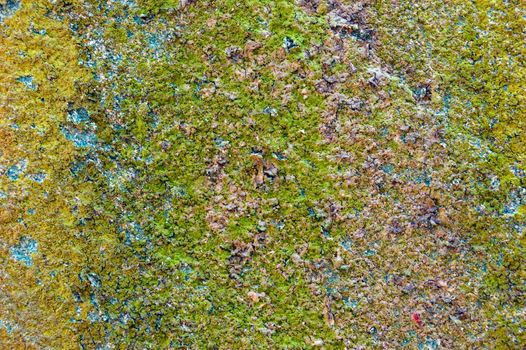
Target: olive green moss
311	174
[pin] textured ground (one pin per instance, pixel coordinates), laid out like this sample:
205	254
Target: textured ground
226	174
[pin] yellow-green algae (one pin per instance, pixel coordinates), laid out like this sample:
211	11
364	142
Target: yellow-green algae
311	174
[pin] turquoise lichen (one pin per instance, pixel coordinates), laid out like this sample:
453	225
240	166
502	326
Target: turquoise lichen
24	250
8	8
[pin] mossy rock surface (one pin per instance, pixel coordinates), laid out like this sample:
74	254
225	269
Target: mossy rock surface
180	174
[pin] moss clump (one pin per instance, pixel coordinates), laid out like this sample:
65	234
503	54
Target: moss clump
263	174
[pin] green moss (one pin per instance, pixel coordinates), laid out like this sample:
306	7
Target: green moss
259	166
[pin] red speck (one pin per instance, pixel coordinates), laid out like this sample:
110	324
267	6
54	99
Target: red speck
416	318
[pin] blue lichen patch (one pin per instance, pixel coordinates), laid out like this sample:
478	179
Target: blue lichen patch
14	171
78	115
23	251
8	8
81	139
37	177
28	81
8	326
